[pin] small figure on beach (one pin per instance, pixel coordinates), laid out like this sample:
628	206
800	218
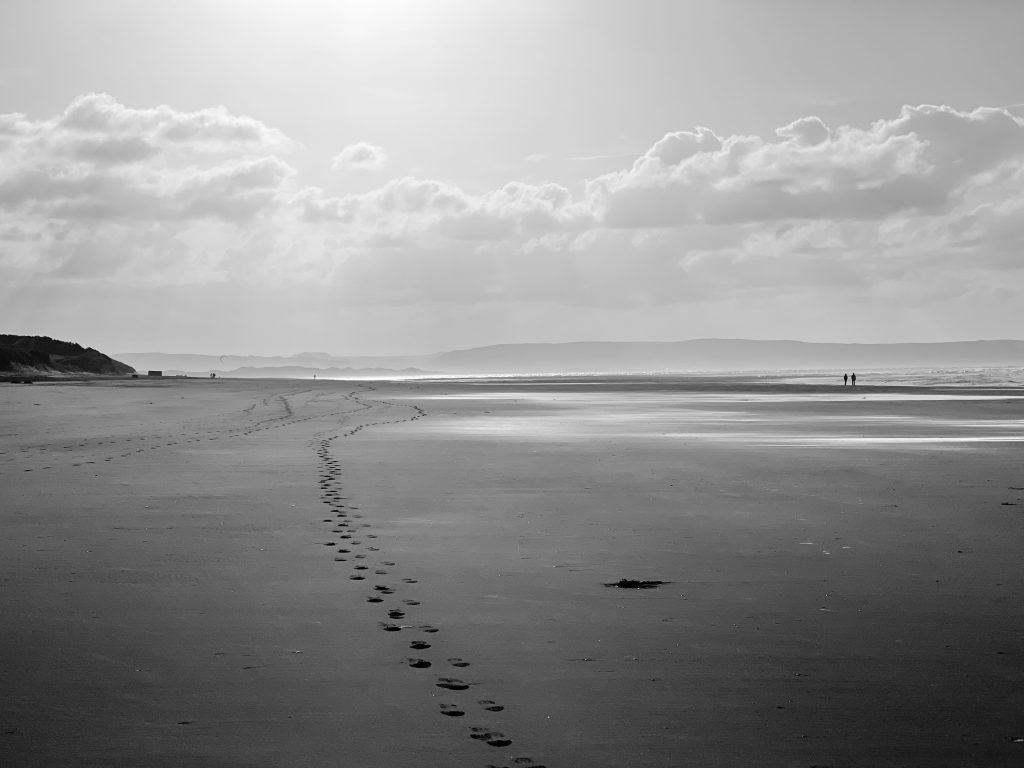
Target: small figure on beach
845	378
853	379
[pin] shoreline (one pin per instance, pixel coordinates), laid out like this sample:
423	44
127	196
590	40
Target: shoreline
956	378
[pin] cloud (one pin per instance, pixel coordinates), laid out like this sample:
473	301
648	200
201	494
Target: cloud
915	162
427	209
807	131
235	191
103	189
361	156
851	210
102	161
213	129
17	234
676	147
929	202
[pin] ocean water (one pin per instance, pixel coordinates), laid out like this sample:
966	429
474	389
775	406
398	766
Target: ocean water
1005	376
890	409
911	377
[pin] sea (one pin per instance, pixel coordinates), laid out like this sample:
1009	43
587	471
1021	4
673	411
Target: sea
1010	376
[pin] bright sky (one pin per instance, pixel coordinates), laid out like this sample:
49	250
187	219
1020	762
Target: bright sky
258	177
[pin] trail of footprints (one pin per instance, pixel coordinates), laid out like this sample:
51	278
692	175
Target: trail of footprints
137	444
355	545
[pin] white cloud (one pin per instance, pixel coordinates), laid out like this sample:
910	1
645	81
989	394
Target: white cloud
410	209
361	156
100	160
214	129
104	189
930	202
235	191
807	131
915	162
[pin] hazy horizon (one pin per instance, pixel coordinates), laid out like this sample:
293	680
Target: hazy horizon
393	177
612	358
433	352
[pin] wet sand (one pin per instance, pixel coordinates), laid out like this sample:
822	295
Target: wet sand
284	573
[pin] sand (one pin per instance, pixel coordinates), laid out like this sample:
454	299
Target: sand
294	573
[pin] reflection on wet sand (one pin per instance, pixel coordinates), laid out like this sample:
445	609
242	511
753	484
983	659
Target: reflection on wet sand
769	419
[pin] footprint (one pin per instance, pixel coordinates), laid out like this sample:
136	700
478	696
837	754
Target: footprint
359	568
374	599
427	628
419	645
457	662
451	710
356	577
388	627
490	706
451	684
418	663
494	738
410	581
384	589
394	613
410	602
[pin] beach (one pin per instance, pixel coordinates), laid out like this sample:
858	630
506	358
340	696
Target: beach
227	573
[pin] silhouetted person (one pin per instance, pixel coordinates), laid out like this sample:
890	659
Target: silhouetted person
853	379
845	377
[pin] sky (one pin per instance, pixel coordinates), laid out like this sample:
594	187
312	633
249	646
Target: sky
403	177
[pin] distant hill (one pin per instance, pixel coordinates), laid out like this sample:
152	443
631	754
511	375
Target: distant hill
41	355
722	355
302	365
602	357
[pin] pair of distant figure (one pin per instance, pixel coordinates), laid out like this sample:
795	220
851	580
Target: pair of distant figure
852	378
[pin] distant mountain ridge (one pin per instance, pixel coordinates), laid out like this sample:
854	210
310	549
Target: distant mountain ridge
41	355
604	357
169	361
722	355
302	365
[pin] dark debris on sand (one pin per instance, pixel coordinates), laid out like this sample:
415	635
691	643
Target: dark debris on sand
636	583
